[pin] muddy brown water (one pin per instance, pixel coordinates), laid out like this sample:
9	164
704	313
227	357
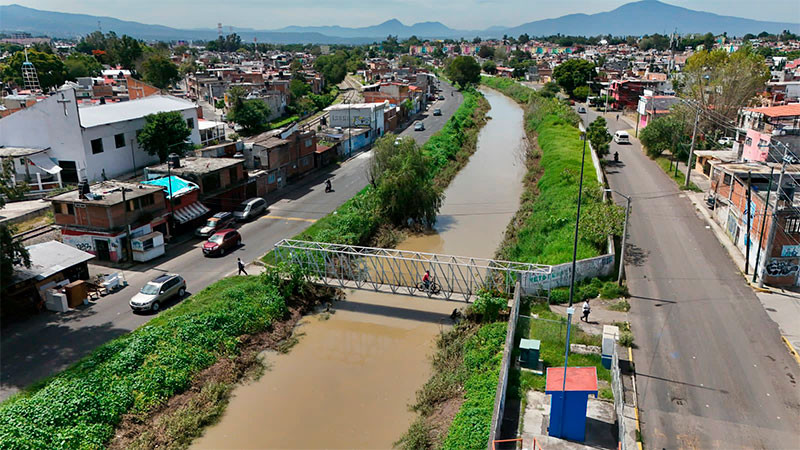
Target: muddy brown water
349	380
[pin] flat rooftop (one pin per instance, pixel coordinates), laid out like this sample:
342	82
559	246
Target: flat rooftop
49	258
108	193
197	165
92	116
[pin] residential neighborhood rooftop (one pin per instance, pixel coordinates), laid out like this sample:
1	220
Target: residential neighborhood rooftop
108	193
92	116
49	258
779	111
196	164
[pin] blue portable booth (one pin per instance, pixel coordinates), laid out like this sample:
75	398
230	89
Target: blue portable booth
568	400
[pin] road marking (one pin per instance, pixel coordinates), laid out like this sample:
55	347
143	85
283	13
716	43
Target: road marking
791	349
298	219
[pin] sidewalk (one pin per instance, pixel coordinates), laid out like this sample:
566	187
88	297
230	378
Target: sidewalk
781	305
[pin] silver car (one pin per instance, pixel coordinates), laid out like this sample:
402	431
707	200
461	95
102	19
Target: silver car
154	293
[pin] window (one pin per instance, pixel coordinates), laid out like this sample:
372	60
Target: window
130	205
211	182
68	208
97	146
147	200
119	140
763	143
748	142
792	225
271	178
190	123
308	142
306	161
726	180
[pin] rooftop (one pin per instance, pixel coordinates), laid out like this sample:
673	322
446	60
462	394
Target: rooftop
779	111
49	258
196	164
346	106
108	193
93	116
175	184
16	152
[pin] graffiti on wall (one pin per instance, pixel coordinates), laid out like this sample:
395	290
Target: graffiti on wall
782	267
560	275
83	243
790	251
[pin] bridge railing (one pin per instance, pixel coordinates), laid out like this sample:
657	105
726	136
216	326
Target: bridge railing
401	270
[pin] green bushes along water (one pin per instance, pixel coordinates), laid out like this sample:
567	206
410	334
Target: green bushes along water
81	406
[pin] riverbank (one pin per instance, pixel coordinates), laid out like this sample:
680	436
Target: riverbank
188	358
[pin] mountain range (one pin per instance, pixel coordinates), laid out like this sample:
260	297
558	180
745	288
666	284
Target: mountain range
636	18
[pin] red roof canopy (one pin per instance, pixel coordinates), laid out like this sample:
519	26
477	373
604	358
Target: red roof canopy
581	379
779	111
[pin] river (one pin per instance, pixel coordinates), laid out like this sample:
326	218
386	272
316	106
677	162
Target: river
349	380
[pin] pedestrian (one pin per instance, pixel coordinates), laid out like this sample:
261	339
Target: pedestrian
241	266
617	117
586	311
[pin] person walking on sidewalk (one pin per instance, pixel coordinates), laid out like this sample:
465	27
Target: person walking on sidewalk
241	266
586	311
617	117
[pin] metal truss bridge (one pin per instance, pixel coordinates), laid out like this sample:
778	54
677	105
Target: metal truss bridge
401	270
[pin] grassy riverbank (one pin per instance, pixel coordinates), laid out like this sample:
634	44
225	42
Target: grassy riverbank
455	405
123	382
543	228
357	221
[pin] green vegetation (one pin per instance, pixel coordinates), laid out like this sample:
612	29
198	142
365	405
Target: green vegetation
551	330
466	369
51	70
588	289
599	136
12	252
622	305
510	88
250	114
464	70
626	339
357	221
164	133
160	71
80	407
574	73
668	166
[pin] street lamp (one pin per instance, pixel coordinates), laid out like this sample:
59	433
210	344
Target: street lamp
624	233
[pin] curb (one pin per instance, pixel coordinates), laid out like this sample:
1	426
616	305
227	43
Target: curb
791	349
635	399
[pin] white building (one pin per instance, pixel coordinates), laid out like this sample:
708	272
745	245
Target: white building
90	142
357	115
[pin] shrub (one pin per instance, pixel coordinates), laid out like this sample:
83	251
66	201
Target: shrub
559	296
611	290
626	338
489	307
621	305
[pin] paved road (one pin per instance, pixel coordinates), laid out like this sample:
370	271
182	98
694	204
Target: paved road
50	342
711	369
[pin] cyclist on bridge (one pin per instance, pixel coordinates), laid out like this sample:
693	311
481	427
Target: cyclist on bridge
426	279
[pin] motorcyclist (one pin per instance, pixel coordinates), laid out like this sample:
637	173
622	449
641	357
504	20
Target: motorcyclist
616	156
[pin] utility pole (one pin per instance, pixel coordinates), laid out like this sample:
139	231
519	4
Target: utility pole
129	246
749	223
763	225
691	148
773	227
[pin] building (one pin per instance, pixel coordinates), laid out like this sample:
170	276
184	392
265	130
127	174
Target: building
358	115
284	154
729	186
51	262
762	126
91	143
651	106
97	219
222	182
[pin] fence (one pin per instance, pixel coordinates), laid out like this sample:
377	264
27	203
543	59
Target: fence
619	397
505	368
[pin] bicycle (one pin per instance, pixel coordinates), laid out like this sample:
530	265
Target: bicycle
433	288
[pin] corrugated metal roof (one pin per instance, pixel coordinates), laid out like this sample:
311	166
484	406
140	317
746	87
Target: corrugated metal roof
49	258
93	116
779	111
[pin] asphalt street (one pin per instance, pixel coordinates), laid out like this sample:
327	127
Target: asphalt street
50	342
711	369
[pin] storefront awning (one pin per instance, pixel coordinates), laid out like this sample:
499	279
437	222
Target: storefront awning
190	212
42	161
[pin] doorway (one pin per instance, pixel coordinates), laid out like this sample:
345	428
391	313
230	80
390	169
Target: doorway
101	247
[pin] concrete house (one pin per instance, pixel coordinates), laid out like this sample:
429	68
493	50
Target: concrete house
90	143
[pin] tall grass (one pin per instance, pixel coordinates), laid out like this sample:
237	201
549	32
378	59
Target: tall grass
79	407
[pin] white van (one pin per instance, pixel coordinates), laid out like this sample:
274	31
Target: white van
622	137
250	209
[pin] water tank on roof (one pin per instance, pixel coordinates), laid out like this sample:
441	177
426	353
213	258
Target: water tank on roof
174	160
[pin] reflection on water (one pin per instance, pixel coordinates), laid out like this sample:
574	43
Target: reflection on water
348	382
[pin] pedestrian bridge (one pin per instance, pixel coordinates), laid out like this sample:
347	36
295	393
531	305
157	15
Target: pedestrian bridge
396	271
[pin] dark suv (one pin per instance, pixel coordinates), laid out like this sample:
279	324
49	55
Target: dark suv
221	242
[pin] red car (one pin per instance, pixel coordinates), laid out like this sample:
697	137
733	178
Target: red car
222	241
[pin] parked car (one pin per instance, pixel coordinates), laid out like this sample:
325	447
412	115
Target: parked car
437	112
221	242
419	126
581	110
157	291
441	97
622	137
216	222
250	209
727	141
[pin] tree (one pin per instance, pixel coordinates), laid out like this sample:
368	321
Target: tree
663	134
51	70
499	54
188	66
464	70
82	65
127	51
723	82
490	67
581	92
12	251
409	61
573	73
159	71
250	114
524	38
399	173
476	40
165	133
298	89
599	136
485	51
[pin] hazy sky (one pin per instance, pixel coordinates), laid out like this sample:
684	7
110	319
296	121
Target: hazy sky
461	14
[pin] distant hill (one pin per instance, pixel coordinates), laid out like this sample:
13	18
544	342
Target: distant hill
648	17
638	18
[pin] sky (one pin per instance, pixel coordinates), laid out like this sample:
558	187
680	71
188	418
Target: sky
459	14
